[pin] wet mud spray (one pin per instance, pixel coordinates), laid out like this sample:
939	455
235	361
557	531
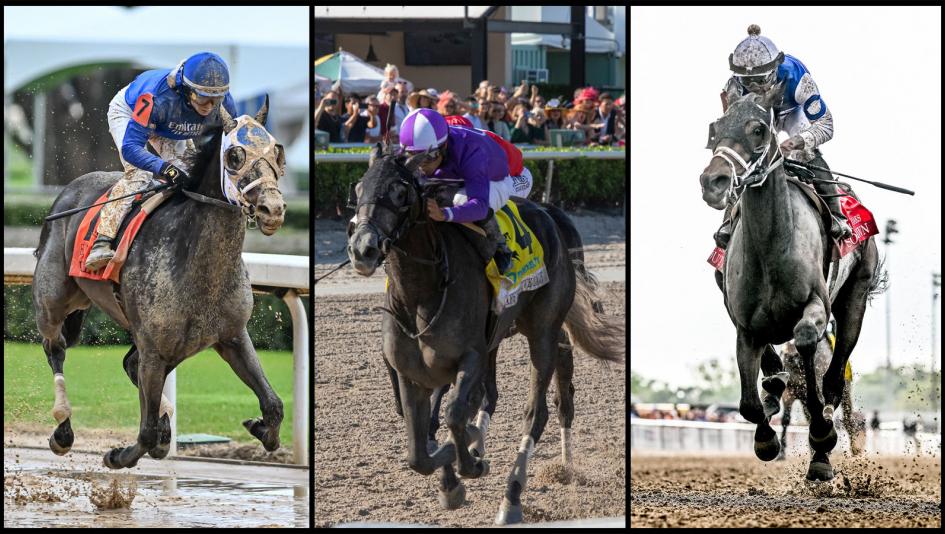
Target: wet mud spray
741	491
43	490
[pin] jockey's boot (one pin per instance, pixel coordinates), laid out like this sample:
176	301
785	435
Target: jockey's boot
839	229
723	234
502	255
100	254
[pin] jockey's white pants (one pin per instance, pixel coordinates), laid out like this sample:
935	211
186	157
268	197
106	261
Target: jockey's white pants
499	192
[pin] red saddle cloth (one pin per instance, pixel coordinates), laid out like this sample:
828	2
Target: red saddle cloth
859	219
88	232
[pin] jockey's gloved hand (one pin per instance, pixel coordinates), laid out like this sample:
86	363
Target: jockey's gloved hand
174	174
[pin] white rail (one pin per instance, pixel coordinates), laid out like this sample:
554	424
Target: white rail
265	271
695	436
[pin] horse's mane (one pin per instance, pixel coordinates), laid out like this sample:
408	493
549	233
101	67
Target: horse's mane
207	154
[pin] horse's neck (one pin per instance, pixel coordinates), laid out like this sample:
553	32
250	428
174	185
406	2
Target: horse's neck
768	217
414	284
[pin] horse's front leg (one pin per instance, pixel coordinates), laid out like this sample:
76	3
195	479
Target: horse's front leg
749	354
472	369
822	437
240	354
416	404
151	374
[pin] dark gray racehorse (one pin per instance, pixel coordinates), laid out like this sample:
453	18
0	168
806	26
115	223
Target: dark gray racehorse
436	330
774	277
183	288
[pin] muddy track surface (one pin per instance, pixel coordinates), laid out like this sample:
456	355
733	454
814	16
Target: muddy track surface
741	491
361	472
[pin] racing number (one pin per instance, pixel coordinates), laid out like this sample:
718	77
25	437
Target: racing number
143	107
522	237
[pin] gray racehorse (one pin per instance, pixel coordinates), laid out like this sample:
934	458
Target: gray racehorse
775	276
183	287
435	332
853	422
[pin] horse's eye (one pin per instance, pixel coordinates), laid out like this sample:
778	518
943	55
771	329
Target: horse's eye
235	157
758	131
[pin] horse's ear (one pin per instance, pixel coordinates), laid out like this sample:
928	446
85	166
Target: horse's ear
263	112
376	153
228	122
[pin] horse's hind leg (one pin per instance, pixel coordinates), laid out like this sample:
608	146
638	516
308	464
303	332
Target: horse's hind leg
58	334
564	395
542	346
152	370
774	382
241	356
785	423
130	364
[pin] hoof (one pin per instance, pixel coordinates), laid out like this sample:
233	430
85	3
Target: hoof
480	469
827	443
260	431
820	471
767	445
111	460
509	514
60	442
454	498
160	452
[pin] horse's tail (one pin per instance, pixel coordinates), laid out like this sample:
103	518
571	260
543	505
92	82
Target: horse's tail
601	336
72	327
880	281
575	245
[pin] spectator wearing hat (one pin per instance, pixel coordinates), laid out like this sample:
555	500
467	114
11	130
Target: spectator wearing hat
554	115
425	98
446	104
373	133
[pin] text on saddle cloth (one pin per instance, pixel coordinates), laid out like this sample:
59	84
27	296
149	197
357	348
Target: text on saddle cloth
258	146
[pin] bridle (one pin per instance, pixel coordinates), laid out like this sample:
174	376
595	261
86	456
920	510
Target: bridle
755	172
409	214
258	146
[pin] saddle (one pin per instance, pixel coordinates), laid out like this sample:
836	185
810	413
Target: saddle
141	207
860	219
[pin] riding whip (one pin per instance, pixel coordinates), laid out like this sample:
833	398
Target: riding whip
62	214
877	184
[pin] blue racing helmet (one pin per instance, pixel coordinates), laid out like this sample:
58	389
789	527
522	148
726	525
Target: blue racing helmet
206	74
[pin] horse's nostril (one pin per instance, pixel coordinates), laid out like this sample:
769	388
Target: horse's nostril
263	209
370	253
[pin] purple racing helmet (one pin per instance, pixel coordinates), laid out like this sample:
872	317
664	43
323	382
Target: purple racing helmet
423	129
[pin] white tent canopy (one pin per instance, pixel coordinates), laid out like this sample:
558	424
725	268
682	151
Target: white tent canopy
266	48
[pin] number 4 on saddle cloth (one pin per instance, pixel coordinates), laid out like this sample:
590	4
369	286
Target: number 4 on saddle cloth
859	219
527	271
88	232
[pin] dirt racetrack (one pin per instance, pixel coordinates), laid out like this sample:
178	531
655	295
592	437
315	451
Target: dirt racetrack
741	491
361	473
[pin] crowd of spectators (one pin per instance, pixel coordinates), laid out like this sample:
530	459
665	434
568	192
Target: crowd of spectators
688	414
519	115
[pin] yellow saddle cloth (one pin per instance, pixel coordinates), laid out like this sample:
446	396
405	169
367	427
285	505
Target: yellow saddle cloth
527	271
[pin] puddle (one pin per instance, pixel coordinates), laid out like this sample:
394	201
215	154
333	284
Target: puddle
36	495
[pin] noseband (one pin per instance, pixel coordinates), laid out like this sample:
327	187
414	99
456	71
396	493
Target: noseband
756	171
407	215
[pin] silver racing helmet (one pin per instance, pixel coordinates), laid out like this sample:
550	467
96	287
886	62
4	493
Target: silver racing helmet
755	61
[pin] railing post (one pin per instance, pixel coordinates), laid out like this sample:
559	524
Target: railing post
300	393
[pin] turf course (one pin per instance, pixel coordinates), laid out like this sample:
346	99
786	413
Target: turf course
211	399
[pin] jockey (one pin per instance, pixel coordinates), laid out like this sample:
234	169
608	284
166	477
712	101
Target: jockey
757	65
166	108
474	159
